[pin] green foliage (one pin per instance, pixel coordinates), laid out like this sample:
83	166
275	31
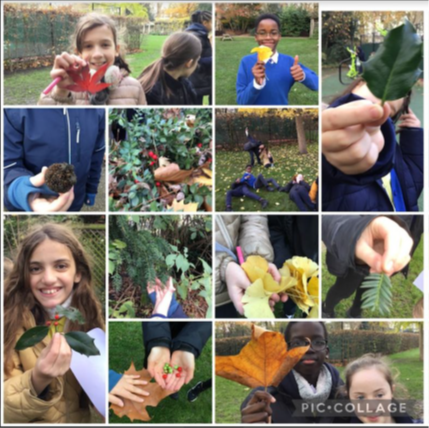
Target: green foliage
81	342
31	337
379	293
72	314
115	261
126	310
394	69
295	21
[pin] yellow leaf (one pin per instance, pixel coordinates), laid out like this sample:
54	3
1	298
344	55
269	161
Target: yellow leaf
181	206
208	172
264	52
255	267
255	301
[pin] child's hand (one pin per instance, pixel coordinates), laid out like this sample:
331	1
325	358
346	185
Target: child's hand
164	295
296	71
384	246
351	135
258	409
53	361
258	72
276	297
409	120
183	359
62	64
237	282
40	204
126	388
159	355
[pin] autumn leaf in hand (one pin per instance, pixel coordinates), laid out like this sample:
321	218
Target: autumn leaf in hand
85	82
264	361
264	52
136	410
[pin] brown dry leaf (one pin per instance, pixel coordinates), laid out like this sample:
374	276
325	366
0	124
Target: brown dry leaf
181	206
206	206
138	410
264	361
172	173
166	195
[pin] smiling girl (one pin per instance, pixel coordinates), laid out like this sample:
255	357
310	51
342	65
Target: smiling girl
95	44
51	269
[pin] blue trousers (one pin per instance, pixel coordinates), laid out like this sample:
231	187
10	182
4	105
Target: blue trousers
242	190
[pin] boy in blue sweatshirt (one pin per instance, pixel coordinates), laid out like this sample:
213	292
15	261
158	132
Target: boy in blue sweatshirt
259	181
269	82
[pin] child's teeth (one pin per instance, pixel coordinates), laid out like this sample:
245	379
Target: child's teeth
49	291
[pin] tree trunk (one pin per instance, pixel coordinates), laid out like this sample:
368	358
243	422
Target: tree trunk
302	143
311	27
421	336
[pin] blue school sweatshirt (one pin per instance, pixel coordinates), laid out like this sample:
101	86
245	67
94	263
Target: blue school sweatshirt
278	84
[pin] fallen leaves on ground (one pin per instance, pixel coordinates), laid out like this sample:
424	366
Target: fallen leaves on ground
138	410
264	361
181	206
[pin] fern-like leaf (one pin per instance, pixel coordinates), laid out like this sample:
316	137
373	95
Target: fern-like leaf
379	293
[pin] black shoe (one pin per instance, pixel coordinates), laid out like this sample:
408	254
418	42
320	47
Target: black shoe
174	396
327	314
264	203
270	189
228	209
349	314
195	391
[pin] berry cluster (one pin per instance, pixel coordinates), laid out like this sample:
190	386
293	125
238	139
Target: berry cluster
169	369
57	317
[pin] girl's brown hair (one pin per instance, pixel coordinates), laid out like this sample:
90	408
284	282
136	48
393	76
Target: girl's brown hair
178	49
89	22
19	300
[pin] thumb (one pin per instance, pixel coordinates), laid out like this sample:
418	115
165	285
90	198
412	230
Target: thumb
296	60
39	179
236	295
369	256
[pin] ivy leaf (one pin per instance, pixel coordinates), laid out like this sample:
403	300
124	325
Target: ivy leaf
82	343
379	293
394	69
31	337
70	313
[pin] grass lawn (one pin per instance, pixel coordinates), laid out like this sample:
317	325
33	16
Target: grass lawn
230	395
405	294
287	161
126	346
229	54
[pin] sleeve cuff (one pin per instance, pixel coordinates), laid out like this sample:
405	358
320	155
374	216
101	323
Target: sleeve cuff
90	199
259	87
300	81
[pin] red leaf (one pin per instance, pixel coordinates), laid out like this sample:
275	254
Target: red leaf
84	82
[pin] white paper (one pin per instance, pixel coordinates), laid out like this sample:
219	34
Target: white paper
419	282
91	372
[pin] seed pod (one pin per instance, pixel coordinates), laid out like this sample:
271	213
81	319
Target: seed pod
60	177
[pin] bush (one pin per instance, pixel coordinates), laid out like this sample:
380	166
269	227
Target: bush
295	22
336	53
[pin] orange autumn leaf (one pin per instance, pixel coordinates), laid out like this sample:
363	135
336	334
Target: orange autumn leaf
136	410
264	361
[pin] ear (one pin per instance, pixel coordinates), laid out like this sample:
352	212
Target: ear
189	63
118	47
77	277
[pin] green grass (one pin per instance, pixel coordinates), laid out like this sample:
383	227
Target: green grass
126	346
287	161
405	294
230	395
229	54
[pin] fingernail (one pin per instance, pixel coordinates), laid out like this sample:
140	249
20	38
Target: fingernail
388	267
376	111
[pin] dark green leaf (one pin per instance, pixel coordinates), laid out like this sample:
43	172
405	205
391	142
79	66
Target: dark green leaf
82	343
394	69
31	337
378	295
70	313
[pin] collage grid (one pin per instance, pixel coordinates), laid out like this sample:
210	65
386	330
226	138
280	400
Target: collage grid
122	246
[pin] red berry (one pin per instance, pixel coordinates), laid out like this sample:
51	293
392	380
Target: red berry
136	181
55	323
155	157
179	369
210	161
152	163
57	317
177	374
164	376
158	184
150	154
199	145
48	323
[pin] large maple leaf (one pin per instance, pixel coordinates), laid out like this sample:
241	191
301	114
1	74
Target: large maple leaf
264	361
136	410
85	82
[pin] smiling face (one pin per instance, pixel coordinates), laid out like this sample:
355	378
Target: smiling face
52	273
311	362
371	384
268	34
98	47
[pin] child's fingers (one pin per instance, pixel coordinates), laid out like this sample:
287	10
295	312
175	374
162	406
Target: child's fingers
159	380
370	257
39	179
340	139
63	202
296	60
355	113
113	399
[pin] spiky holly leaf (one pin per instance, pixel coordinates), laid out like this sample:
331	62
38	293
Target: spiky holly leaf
70	313
84	82
31	337
394	69
81	342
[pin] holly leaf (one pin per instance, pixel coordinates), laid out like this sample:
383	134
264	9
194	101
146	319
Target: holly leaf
82	343
264	361
84	82
138	410
31	337
70	313
394	69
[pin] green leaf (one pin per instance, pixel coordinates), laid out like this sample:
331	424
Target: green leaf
111	267
31	337
378	296
70	313
182	263
183	291
394	69
170	259
82	343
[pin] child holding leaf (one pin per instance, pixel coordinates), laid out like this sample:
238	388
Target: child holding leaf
95	73
267	77
51	269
